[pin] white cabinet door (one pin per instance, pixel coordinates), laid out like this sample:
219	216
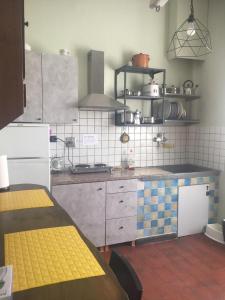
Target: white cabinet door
193	209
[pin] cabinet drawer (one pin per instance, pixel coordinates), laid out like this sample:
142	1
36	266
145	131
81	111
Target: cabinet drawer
121	205
120	186
121	230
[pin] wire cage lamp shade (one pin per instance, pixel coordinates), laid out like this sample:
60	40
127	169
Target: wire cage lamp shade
191	39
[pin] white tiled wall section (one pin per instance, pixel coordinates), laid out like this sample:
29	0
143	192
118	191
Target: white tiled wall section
206	146
110	150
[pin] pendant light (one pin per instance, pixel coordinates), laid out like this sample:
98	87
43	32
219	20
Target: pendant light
192	39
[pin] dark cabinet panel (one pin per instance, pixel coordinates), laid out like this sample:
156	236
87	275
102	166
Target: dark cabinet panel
34	103
11	60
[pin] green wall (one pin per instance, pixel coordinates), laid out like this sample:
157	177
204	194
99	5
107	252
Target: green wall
121	28
212	78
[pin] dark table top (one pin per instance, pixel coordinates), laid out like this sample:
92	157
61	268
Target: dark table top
95	288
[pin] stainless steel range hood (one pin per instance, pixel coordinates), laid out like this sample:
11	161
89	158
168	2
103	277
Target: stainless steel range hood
96	100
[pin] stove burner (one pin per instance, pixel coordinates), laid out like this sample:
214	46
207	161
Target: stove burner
85	166
100	165
96	168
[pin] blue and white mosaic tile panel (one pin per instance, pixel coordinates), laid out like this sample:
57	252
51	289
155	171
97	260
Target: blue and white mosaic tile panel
158	204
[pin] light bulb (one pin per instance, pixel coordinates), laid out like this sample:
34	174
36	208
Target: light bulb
191	29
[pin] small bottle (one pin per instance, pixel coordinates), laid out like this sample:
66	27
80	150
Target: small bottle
131	161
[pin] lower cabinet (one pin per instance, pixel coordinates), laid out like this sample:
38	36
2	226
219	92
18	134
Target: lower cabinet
85	203
121	230
120	205
121	211
106	212
193	209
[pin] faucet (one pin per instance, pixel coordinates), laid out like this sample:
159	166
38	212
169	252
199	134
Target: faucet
160	139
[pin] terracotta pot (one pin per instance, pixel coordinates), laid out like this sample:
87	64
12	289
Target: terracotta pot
140	60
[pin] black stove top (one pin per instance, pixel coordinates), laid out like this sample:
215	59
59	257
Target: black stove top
86	168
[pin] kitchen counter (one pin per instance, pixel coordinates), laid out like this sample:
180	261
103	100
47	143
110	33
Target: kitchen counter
149	173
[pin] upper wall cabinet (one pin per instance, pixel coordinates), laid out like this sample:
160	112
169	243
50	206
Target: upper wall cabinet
60	95
52	92
33	109
11	60
179	11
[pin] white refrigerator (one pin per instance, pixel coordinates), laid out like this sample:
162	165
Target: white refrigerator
28	150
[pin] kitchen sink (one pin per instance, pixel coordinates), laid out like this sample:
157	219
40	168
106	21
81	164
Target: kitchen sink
187	168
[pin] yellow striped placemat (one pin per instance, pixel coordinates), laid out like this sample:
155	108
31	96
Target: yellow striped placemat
47	256
24	199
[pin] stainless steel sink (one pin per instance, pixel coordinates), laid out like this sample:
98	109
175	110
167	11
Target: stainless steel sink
187	168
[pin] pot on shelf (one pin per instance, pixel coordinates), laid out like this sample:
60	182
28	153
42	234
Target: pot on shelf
151	89
128	115
141	60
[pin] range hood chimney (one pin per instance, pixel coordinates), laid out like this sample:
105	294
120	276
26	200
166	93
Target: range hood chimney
96	100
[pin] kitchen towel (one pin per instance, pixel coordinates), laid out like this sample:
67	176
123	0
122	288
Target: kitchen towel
48	256
4	175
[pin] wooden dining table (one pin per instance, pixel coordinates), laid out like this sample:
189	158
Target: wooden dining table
104	287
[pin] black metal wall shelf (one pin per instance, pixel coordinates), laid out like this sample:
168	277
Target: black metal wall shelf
166	123
128	97
181	122
137	70
179	96
151	72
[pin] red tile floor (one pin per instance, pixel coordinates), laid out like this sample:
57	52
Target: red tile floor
189	268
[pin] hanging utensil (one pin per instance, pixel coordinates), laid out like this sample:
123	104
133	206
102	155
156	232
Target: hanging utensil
124	138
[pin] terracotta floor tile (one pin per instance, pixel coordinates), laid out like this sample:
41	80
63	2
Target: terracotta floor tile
189	268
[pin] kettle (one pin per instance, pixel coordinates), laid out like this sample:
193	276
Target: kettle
137	117
57	164
188	86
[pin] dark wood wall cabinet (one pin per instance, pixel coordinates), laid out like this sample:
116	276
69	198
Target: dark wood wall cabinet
12	89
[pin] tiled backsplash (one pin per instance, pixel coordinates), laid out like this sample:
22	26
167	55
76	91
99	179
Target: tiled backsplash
195	144
109	148
206	146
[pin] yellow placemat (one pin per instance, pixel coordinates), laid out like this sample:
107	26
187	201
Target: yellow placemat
46	256
24	199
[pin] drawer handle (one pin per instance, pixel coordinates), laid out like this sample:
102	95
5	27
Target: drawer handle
121	187
121	201
99	189
121	227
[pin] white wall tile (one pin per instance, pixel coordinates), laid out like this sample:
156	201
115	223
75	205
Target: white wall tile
196	144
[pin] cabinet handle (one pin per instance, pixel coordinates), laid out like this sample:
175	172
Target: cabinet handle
38	119
24	95
99	189
121	201
121	187
121	227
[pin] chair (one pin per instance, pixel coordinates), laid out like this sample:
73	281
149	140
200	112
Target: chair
126	276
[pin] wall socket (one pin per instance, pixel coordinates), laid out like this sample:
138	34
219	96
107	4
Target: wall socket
70	142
